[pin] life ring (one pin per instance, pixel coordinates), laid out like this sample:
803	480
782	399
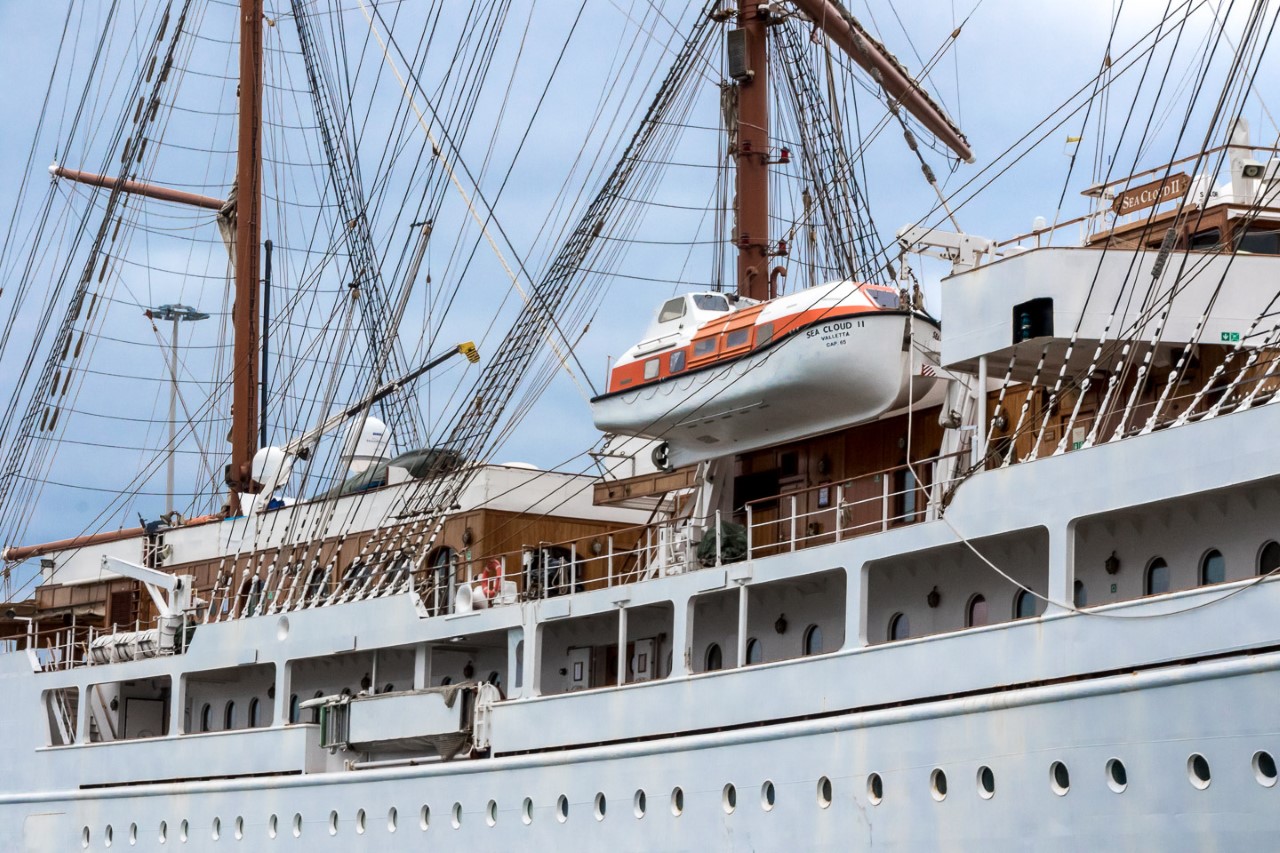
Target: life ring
489	582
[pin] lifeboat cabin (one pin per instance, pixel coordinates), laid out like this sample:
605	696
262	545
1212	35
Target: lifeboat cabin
717	374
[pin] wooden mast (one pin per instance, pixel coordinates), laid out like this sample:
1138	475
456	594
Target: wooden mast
244	394
752	172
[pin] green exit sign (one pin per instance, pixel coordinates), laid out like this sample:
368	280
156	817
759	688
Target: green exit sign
1231	337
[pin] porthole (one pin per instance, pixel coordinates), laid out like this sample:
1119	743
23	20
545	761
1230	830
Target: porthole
768	796
729	798
1059	778
938	784
677	801
456	817
562	808
333	823
84	837
986	782
133	834
424	818
297	825
1198	771
108	835
1117	776
638	804
600	806
183	831
239	828
216	832
1264	768
273	826
491	813
526	811
824	792
164	832
875	789
393	819
360	821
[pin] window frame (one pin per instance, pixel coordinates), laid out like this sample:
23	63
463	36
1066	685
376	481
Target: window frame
974	600
667	312
737	338
706	658
896	619
672	365
1201	572
1153	564
1018	598
652	368
1262	553
755	645
807	645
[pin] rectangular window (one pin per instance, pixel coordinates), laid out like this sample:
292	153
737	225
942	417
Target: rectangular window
706	346
764	334
676	362
737	338
651	369
672	309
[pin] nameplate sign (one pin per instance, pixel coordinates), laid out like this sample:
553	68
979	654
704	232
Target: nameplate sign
1149	195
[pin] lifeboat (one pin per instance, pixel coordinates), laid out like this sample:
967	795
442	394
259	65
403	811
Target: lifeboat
717	375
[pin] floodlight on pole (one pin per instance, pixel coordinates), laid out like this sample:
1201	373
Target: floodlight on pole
175	314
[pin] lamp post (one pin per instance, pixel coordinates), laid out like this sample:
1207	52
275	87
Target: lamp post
176	314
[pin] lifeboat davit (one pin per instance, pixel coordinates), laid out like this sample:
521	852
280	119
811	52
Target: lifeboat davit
716	375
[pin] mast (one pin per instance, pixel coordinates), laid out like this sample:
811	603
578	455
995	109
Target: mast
244	393
752	172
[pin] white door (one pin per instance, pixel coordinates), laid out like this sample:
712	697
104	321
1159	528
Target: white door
643	665
579	674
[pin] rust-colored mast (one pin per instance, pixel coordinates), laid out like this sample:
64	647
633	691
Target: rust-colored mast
244	394
752	154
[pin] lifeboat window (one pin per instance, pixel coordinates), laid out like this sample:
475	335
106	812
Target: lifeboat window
672	309
977	613
764	334
1269	559
899	627
675	362
651	369
737	338
710	302
715	658
1157	577
883	297
1213	568
706	346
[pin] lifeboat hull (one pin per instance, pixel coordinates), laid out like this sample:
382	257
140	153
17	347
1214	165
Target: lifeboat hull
834	374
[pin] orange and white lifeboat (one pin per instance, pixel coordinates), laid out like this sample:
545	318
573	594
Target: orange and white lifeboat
716	375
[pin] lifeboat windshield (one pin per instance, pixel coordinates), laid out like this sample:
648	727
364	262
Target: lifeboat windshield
711	302
883	297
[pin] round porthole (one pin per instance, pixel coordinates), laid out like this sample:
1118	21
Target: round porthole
1117	775
108	836
938	784
729	798
986	782
164	832
1264	768
393	819
526	811
457	815
360	821
1059	778
1198	771
133	834
424	818
297	825
184	830
84	837
875	789
638	804
824	792
273	826
239	831
562	808
677	801
600	806
491	813
768	796
216	832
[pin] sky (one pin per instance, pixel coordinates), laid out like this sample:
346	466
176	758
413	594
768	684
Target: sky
1014	63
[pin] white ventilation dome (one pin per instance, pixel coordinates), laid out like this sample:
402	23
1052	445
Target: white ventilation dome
371	446
272	467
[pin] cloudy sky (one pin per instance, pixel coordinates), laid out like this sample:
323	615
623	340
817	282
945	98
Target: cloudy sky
1015	64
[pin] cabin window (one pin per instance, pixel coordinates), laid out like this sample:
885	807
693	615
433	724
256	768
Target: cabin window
1079	595
1213	568
651	369
755	653
1157	577
1259	242
711	302
1269	558
737	338
253	712
706	346
764	334
518	680
715	658
813	640
675	362
1206	240
206	717
672	309
315	710
293	708
899	627
1024	604
976	614
229	716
